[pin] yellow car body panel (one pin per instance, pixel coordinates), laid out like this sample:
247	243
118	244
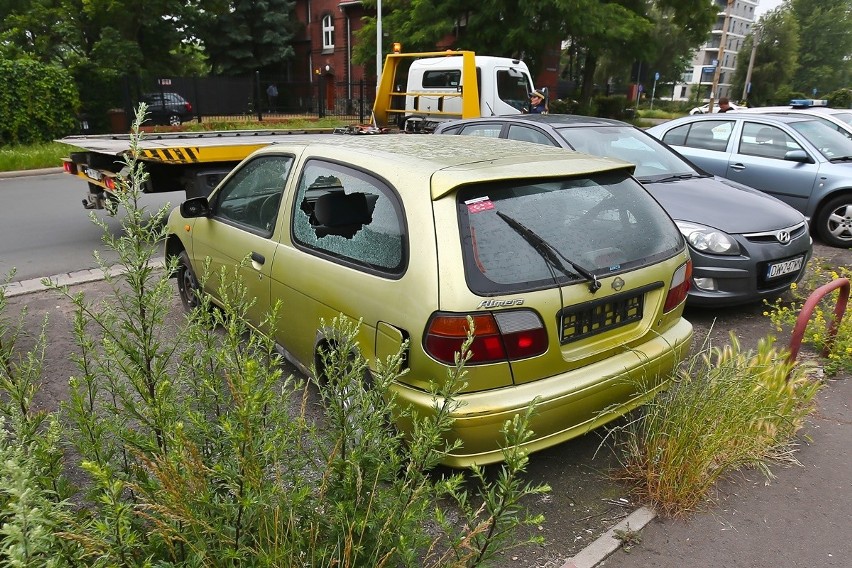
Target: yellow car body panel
577	383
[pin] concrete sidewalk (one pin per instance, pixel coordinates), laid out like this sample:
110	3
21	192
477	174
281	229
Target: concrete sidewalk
800	519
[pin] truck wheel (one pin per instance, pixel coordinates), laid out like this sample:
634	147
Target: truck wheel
188	286
834	224
174	120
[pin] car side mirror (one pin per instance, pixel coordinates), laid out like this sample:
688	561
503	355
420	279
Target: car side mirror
798	156
195	207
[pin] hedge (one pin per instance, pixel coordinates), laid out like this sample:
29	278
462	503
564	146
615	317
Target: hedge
38	102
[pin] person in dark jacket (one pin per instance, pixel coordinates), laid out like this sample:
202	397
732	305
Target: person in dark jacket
537	104
724	104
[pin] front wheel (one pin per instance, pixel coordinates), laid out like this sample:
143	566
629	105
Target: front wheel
834	224
188	286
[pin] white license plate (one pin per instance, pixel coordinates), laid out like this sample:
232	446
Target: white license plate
92	173
781	268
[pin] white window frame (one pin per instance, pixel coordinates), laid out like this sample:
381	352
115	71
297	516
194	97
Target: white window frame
327	32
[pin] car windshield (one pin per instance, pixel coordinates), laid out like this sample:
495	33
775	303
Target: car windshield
844	116
605	224
654	161
828	141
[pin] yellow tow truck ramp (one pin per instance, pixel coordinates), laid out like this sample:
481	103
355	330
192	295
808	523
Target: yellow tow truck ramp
193	162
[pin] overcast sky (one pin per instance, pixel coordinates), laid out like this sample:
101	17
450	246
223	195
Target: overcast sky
764	6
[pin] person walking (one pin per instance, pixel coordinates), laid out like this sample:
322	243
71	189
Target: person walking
271	95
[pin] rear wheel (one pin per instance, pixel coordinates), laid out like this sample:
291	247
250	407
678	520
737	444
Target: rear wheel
834	224
188	286
174	120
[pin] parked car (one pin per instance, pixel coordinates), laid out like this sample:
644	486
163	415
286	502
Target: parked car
798	159
705	108
839	119
167	108
745	245
574	277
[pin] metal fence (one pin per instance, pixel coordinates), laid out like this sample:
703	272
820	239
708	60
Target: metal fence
258	97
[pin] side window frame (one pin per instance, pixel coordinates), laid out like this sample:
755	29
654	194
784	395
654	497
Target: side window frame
240	186
345	250
542	137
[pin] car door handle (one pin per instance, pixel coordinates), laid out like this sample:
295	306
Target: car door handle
257	257
737	167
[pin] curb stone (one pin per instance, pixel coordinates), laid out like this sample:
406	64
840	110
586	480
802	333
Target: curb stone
32	285
607	543
36	172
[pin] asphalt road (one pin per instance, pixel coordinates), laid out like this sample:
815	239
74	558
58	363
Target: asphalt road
44	229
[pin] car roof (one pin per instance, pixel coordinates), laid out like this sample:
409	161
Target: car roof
770	118
450	161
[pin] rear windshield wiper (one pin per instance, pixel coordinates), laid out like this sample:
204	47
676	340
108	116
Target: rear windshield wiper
550	254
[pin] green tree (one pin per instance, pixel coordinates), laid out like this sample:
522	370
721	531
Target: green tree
619	32
245	35
825	53
776	57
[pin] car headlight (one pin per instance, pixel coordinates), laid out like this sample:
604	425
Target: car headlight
708	239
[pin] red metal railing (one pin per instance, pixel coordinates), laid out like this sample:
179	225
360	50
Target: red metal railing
808	311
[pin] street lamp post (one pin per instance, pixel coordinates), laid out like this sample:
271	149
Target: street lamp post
720	57
378	43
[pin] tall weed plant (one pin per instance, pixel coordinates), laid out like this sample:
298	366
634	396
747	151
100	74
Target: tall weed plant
785	313
190	447
727	409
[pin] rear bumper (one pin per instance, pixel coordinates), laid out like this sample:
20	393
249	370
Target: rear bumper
567	405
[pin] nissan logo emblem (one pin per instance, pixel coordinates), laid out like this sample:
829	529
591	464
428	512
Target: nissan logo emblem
783	237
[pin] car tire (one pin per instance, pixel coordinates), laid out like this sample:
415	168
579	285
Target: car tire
188	287
834	224
174	120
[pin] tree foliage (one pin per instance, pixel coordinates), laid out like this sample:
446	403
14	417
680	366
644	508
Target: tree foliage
245	35
38	102
825	45
775	61
617	31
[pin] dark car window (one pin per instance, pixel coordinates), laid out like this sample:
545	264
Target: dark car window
513	88
527	134
251	197
606	224
766	141
349	215
487	129
652	159
704	134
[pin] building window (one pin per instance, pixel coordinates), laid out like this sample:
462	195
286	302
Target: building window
327	32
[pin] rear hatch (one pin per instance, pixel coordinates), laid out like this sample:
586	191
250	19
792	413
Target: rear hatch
591	259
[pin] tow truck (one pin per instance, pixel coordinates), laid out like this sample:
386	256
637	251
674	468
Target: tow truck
439	86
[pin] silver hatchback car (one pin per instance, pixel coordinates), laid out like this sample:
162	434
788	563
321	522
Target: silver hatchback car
797	159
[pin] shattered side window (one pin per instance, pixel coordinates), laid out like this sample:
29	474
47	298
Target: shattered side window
350	215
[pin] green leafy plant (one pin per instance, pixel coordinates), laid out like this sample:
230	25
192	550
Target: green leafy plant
726	410
192	447
784	313
38	102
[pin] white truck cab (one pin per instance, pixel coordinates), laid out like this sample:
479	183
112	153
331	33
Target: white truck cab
446	85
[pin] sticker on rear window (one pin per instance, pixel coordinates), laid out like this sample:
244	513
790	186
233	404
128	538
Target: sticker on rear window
479	205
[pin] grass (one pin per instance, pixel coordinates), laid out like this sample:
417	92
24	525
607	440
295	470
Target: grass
727	410
33	156
50	154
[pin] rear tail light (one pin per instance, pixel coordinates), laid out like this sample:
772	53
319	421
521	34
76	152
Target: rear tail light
110	183
69	167
679	287
498	337
188	107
